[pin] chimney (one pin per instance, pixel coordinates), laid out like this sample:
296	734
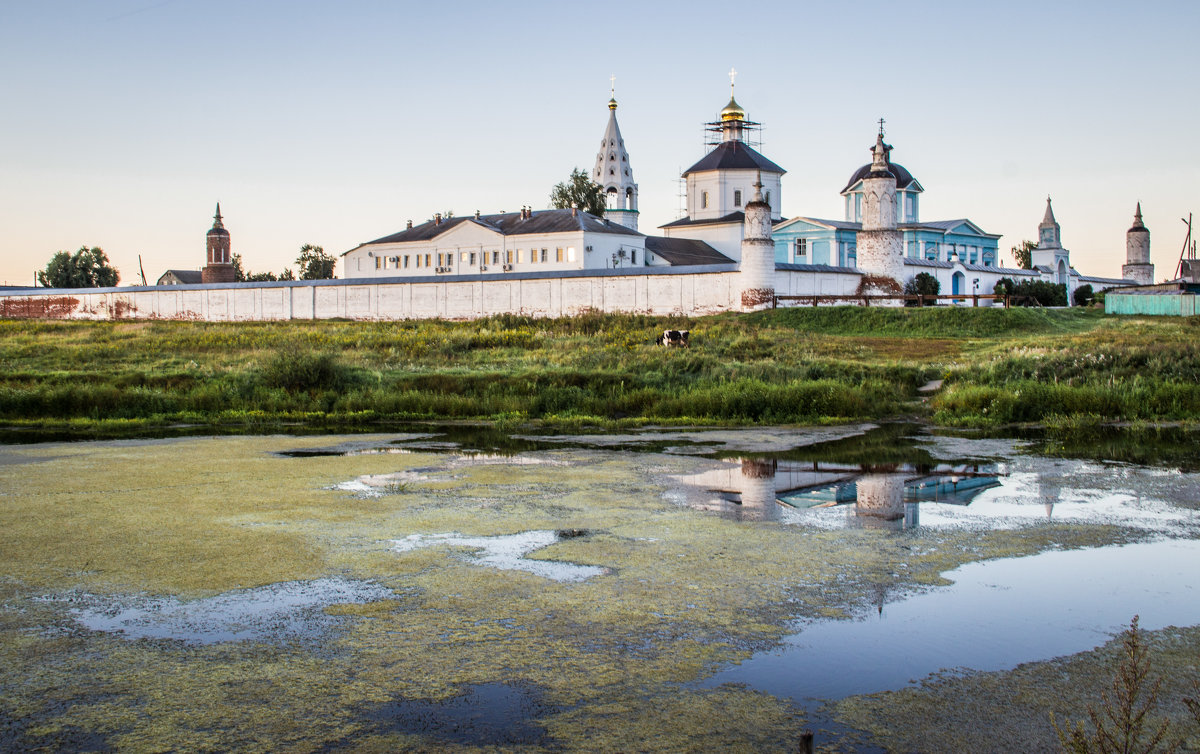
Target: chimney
410	224
574	212
437	219
476	214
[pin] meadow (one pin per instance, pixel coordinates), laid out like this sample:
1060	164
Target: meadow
1069	369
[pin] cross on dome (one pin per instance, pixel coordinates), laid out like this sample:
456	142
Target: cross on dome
612	80
881	122
732	76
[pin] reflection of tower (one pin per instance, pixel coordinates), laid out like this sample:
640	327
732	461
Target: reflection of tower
758	490
219	267
880	501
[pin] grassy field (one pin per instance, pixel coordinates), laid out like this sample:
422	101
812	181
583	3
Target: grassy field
1061	368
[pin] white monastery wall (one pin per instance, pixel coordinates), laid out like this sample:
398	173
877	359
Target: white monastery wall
692	293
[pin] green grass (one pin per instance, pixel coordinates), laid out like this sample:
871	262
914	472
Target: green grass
784	366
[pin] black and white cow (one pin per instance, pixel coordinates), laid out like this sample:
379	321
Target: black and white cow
673	338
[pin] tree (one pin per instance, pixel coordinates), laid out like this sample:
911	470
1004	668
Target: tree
1083	295
579	192
445	216
922	284
86	268
1022	254
1045	294
1004	287
239	272
314	263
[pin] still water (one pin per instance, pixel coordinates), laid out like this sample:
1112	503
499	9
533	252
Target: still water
657	589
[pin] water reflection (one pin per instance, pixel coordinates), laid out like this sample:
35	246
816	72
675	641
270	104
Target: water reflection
876	496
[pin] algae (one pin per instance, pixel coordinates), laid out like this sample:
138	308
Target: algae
613	658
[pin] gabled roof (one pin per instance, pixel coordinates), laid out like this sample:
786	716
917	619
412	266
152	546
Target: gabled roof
187	277
734	155
512	224
835	224
685	251
947	226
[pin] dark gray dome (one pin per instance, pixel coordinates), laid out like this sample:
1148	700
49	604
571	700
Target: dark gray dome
903	177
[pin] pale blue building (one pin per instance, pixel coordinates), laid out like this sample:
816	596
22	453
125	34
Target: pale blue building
810	240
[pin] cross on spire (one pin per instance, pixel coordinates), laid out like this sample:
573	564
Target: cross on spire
612	80
732	76
881	122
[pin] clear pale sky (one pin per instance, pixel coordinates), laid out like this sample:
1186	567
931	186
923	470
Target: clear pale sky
123	122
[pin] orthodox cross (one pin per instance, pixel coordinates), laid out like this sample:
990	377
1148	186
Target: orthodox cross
881	122
732	76
613	81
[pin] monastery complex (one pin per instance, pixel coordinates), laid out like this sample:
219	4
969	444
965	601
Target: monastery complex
732	251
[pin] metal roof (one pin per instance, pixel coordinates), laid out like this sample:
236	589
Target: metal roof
903	177
685	251
732	217
512	224
734	155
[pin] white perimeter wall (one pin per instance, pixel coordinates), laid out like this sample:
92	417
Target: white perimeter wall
689	293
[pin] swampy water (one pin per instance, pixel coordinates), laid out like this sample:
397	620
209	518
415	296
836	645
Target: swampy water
453	588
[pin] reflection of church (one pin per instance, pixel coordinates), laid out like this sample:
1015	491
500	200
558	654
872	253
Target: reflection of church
881	497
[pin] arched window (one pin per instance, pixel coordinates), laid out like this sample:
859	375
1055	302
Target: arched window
704	200
737	198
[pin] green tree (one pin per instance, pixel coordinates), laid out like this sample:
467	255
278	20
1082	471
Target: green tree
86	268
1083	295
1023	254
314	263
922	284
1004	287
579	192
239	272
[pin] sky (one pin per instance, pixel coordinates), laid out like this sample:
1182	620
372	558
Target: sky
123	122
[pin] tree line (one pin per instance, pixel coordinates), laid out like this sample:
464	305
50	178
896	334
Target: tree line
90	268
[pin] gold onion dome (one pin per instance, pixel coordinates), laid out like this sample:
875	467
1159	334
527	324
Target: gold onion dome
733	111
612	104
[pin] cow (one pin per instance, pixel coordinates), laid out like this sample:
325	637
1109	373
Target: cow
673	338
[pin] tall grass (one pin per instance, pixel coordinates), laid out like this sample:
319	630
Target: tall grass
787	365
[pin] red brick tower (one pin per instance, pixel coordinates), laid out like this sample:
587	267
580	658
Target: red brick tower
220	262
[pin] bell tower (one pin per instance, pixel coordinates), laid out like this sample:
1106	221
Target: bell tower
613	173
1137	252
219	267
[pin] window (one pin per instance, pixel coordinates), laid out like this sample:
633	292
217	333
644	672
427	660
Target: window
570	253
463	257
545	255
472	259
427	260
441	261
379	263
801	248
508	256
418	256
737	198
704	200
495	257
558	254
633	256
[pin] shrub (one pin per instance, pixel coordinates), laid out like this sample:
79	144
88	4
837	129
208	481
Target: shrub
922	284
297	371
1083	295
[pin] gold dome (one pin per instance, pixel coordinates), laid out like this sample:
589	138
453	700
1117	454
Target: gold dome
732	111
612	104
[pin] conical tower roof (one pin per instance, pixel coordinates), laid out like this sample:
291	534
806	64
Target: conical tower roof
612	161
1138	225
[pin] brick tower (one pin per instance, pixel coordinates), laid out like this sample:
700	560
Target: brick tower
220	262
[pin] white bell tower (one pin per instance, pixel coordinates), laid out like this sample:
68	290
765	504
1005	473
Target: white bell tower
613	173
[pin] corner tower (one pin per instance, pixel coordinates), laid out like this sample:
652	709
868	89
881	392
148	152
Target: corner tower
880	243
1137	265
219	267
614	175
757	270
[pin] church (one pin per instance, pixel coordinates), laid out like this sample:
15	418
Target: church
880	243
